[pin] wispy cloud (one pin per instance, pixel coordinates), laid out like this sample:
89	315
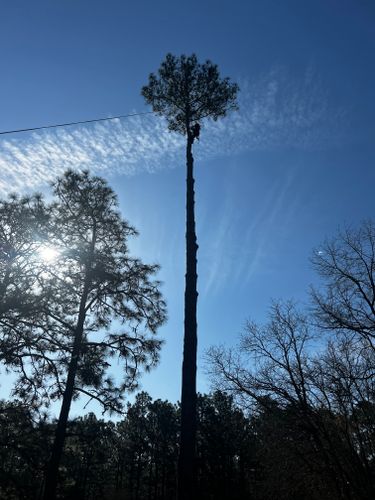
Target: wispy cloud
127	147
275	111
242	248
278	110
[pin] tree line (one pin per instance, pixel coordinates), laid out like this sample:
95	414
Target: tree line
135	458
268	453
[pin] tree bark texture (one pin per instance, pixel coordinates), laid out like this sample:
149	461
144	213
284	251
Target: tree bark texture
186	463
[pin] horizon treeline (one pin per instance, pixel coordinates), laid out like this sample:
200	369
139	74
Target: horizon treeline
266	453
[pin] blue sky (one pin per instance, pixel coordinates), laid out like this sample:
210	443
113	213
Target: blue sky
273	180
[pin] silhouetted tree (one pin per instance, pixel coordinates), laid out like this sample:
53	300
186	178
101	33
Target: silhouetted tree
96	281
347	265
85	280
163	427
22	230
186	92
138	449
317	401
146	451
24	447
288	466
87	463
225	450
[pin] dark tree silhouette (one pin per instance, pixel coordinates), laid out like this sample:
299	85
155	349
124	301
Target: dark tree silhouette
96	283
62	350
23	451
346	264
147	450
224	448
272	453
22	228
185	92
87	463
324	402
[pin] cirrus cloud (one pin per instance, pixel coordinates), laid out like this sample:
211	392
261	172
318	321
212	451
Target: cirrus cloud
276	110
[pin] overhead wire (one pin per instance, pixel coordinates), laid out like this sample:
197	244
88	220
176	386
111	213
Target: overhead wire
32	129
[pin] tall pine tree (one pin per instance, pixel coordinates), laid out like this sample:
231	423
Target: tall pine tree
90	303
185	92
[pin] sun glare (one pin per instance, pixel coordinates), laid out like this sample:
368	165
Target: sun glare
48	254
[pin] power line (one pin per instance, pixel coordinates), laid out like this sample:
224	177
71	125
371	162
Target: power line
72	123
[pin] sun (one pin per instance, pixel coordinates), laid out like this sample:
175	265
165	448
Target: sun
48	253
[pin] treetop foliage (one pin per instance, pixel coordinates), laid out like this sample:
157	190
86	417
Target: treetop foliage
22	228
185	92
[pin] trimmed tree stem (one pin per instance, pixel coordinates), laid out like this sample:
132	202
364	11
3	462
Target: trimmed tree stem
186	464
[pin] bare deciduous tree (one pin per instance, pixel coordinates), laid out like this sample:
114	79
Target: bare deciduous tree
347	266
329	395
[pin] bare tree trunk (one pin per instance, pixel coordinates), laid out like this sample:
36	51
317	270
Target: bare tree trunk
186	463
58	445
